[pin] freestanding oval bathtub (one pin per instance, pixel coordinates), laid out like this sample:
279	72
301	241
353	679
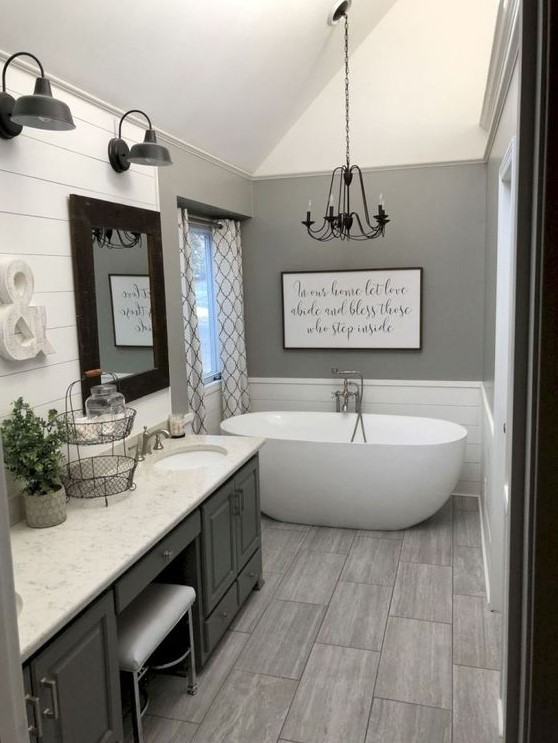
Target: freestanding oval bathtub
312	474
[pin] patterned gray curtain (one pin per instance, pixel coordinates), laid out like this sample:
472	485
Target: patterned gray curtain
196	390
227	255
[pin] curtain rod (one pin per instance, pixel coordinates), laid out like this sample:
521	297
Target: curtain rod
205	220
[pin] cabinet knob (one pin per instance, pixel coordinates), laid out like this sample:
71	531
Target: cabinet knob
37	728
251	575
168	555
225	615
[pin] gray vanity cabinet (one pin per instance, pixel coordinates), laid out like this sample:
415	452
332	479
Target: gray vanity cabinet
74	692
248	525
231	540
220	565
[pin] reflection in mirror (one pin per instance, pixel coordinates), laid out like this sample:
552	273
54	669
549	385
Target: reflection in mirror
122	283
120	296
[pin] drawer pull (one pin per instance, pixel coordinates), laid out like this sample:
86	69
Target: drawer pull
53	713
251	575
37	728
168	555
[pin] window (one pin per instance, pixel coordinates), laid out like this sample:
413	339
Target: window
202	266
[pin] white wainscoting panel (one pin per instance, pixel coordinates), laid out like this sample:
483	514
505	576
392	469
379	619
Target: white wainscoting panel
459	402
38	172
213	407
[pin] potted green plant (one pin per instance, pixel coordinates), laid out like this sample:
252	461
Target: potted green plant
32	454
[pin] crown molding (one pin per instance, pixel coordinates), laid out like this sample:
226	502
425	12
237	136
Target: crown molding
373	169
505	50
104	105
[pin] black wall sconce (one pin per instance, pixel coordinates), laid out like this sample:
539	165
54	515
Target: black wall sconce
148	152
40	110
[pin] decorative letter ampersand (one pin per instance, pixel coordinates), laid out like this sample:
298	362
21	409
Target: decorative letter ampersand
22	327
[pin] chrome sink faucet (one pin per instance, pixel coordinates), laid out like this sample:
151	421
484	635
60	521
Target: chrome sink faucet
143	445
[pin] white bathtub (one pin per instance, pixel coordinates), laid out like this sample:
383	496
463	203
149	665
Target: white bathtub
312	474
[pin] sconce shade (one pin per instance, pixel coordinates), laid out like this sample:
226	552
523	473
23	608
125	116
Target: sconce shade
40	110
148	152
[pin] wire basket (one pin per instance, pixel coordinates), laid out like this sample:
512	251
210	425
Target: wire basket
84	431
100	476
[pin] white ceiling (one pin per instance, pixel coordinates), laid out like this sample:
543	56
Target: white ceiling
227	76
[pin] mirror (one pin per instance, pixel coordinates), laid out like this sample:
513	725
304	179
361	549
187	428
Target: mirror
120	295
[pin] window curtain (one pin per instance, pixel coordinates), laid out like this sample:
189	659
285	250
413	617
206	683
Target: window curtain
196	391
227	259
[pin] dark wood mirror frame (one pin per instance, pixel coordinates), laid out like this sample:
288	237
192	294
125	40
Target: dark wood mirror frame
85	214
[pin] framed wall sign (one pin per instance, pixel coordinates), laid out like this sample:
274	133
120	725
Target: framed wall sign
131	309
369	308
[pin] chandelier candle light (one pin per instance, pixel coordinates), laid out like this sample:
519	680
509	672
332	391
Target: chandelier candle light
339	221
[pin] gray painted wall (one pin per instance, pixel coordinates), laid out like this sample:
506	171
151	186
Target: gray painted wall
438	223
219	188
507	128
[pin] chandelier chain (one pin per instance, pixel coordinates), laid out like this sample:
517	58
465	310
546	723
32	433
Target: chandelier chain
347	88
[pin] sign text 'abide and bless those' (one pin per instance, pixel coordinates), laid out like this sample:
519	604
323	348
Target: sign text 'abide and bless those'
352	309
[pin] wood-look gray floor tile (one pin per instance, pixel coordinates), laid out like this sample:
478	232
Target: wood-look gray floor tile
269	523
282	641
430	542
415	665
248	709
372	561
466	529
333	700
477	633
248	617
475	698
397	722
378	534
328	539
423	592
279	546
356	616
167	694
466	502
158	729
468	571
311	577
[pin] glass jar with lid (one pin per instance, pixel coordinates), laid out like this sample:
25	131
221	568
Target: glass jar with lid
105	400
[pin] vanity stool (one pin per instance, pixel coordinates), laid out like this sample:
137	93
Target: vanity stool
143	626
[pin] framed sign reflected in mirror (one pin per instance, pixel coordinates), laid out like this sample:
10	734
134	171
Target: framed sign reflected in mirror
120	295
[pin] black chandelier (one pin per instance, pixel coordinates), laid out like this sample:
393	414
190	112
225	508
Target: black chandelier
105	237
339	221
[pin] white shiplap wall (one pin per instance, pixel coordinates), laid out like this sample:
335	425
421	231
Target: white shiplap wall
38	171
454	401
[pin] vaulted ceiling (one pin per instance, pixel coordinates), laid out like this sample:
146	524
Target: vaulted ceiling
231	77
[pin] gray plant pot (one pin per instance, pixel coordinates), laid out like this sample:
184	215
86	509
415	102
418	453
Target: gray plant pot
45	510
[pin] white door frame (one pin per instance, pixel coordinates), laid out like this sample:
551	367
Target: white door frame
13	719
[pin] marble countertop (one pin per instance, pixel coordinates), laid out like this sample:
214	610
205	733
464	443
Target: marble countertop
59	571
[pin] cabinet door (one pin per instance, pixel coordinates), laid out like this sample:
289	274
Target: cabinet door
219	545
77	681
246	486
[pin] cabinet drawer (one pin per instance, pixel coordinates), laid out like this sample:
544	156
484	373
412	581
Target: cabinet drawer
148	568
216	624
249	576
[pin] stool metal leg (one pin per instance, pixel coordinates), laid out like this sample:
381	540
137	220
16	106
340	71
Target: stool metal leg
192	681
136	709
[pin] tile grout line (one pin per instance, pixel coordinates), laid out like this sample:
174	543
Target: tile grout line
326	607
383	642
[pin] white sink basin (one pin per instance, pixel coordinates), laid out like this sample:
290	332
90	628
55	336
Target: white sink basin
19	603
191	457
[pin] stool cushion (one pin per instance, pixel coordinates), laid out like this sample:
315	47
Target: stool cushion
145	623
